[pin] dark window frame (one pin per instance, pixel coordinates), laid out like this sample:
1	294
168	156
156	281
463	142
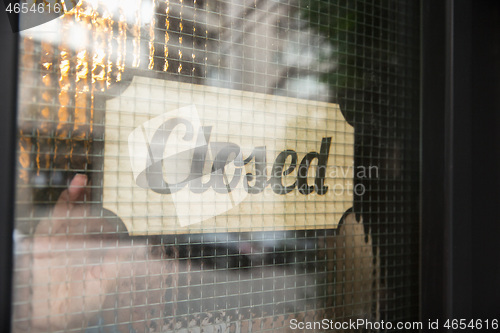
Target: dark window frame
460	190
8	98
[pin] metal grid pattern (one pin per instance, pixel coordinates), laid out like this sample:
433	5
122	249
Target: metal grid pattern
77	268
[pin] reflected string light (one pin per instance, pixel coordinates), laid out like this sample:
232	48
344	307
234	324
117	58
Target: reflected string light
25	139
167	37
45	122
152	37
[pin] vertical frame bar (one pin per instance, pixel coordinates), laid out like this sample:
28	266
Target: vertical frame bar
460	194
432	169
8	97
485	160
458	154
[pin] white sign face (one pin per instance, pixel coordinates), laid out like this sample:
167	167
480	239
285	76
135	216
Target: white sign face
183	158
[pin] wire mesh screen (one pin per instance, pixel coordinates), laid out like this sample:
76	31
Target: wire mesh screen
336	244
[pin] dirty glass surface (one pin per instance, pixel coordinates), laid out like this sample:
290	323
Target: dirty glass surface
90	254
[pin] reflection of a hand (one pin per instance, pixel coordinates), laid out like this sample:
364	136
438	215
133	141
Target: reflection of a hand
83	265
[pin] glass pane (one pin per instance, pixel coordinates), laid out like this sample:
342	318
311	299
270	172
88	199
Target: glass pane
218	166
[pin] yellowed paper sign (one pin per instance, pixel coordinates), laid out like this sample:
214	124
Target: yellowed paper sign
184	158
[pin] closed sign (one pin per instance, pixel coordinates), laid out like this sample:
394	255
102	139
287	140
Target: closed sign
184	158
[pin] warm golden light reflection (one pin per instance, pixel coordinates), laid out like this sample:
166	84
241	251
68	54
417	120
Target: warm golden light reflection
99	68
27	65
152	38
82	91
121	49
165	65
98	40
44	128
181	28
66	102
24	156
167	37
101	49
28	55
64	84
